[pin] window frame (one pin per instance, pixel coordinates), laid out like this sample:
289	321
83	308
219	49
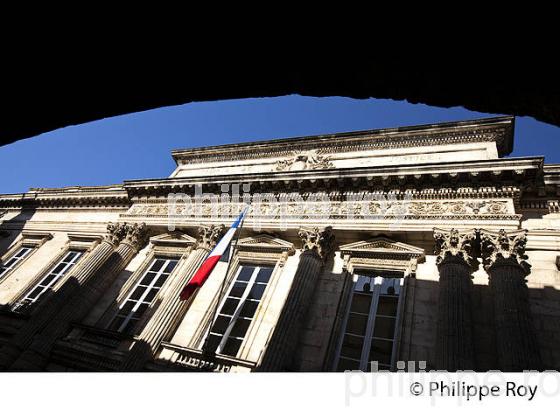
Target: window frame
59	277
29	239
19	260
242	300
377	277
145	269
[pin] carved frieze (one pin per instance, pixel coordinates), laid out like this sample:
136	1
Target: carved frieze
278	207
504	246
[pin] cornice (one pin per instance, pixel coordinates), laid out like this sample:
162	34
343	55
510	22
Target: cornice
517	171
112	196
499	129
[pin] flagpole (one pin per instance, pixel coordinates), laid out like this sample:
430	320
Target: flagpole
233	249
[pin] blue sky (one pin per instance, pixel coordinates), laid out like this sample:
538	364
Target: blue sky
138	145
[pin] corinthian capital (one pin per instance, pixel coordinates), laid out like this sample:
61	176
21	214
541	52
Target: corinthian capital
320	240
208	236
115	232
452	243
136	234
502	246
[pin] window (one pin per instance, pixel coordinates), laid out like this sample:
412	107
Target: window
52	277
140	297
238	309
371	323
12	262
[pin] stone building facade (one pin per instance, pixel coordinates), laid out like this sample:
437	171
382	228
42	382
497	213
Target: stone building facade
422	244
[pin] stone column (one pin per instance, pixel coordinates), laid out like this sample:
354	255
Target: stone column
43	316
456	263
505	261
80	304
172	309
317	246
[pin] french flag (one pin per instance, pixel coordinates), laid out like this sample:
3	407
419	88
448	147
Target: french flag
210	262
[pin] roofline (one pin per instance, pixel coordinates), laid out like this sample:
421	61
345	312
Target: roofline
507	120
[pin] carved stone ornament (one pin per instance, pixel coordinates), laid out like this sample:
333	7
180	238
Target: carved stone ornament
304	160
209	235
115	232
504	246
317	239
455	243
136	234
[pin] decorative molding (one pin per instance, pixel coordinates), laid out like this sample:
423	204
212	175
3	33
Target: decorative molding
381	253
301	160
265	242
455	243
319	240
173	240
503	246
35	238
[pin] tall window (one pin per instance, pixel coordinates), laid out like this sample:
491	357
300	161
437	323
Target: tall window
15	260
371	324
238	309
52	277
140	297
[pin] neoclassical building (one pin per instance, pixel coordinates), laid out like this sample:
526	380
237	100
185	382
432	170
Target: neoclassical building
422	244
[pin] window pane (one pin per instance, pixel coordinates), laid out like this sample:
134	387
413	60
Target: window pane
221	324
238	289
35	292
127	307
140	309
10	262
229	306
116	323
138	292
264	274
240	328
356	324
170	266
256	291
384	327
148	278
130	326
21	252
151	295
48	279
69	257
58	268
249	308
360	303
231	347
352	346
212	342
160	281
157	265
381	351
387	306
245	273
346	364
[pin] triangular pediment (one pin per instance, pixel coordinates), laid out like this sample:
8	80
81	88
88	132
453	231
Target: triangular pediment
382	245
267	242
173	239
